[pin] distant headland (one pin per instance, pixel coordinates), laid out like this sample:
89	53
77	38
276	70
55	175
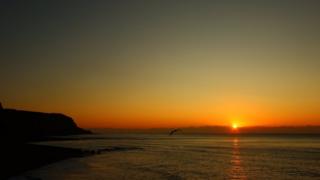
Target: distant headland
22	126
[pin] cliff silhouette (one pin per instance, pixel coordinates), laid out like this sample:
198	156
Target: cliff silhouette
22	126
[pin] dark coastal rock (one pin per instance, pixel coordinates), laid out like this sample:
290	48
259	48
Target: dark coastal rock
22	126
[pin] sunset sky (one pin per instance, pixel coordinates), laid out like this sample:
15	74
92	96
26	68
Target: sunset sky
141	64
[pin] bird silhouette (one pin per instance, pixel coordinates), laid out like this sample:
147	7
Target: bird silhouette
173	131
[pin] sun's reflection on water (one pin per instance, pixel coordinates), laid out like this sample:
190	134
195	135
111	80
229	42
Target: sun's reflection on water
236	170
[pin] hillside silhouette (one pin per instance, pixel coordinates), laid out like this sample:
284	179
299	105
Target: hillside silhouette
22	126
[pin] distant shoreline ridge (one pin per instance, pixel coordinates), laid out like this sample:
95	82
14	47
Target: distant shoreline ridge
22	126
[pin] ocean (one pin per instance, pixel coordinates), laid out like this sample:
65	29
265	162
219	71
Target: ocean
146	156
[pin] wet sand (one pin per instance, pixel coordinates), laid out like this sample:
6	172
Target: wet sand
18	158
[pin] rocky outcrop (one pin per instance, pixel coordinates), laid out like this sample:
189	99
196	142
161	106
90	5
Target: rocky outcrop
17	125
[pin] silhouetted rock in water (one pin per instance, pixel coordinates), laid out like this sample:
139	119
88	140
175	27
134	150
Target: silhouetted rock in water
1	106
22	126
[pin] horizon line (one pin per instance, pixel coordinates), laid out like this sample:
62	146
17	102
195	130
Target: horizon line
209	126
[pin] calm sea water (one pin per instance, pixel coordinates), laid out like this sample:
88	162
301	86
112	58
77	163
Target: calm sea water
190	157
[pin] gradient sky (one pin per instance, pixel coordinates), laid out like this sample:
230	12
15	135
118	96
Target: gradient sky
163	63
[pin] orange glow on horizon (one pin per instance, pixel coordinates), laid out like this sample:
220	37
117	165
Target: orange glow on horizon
162	122
103	116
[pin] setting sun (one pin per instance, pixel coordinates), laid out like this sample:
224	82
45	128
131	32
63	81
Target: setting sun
234	126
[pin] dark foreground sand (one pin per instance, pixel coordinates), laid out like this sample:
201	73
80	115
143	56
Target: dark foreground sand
18	158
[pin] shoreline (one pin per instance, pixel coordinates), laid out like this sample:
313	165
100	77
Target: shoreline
20	158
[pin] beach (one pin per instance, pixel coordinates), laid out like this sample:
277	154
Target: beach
18	158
